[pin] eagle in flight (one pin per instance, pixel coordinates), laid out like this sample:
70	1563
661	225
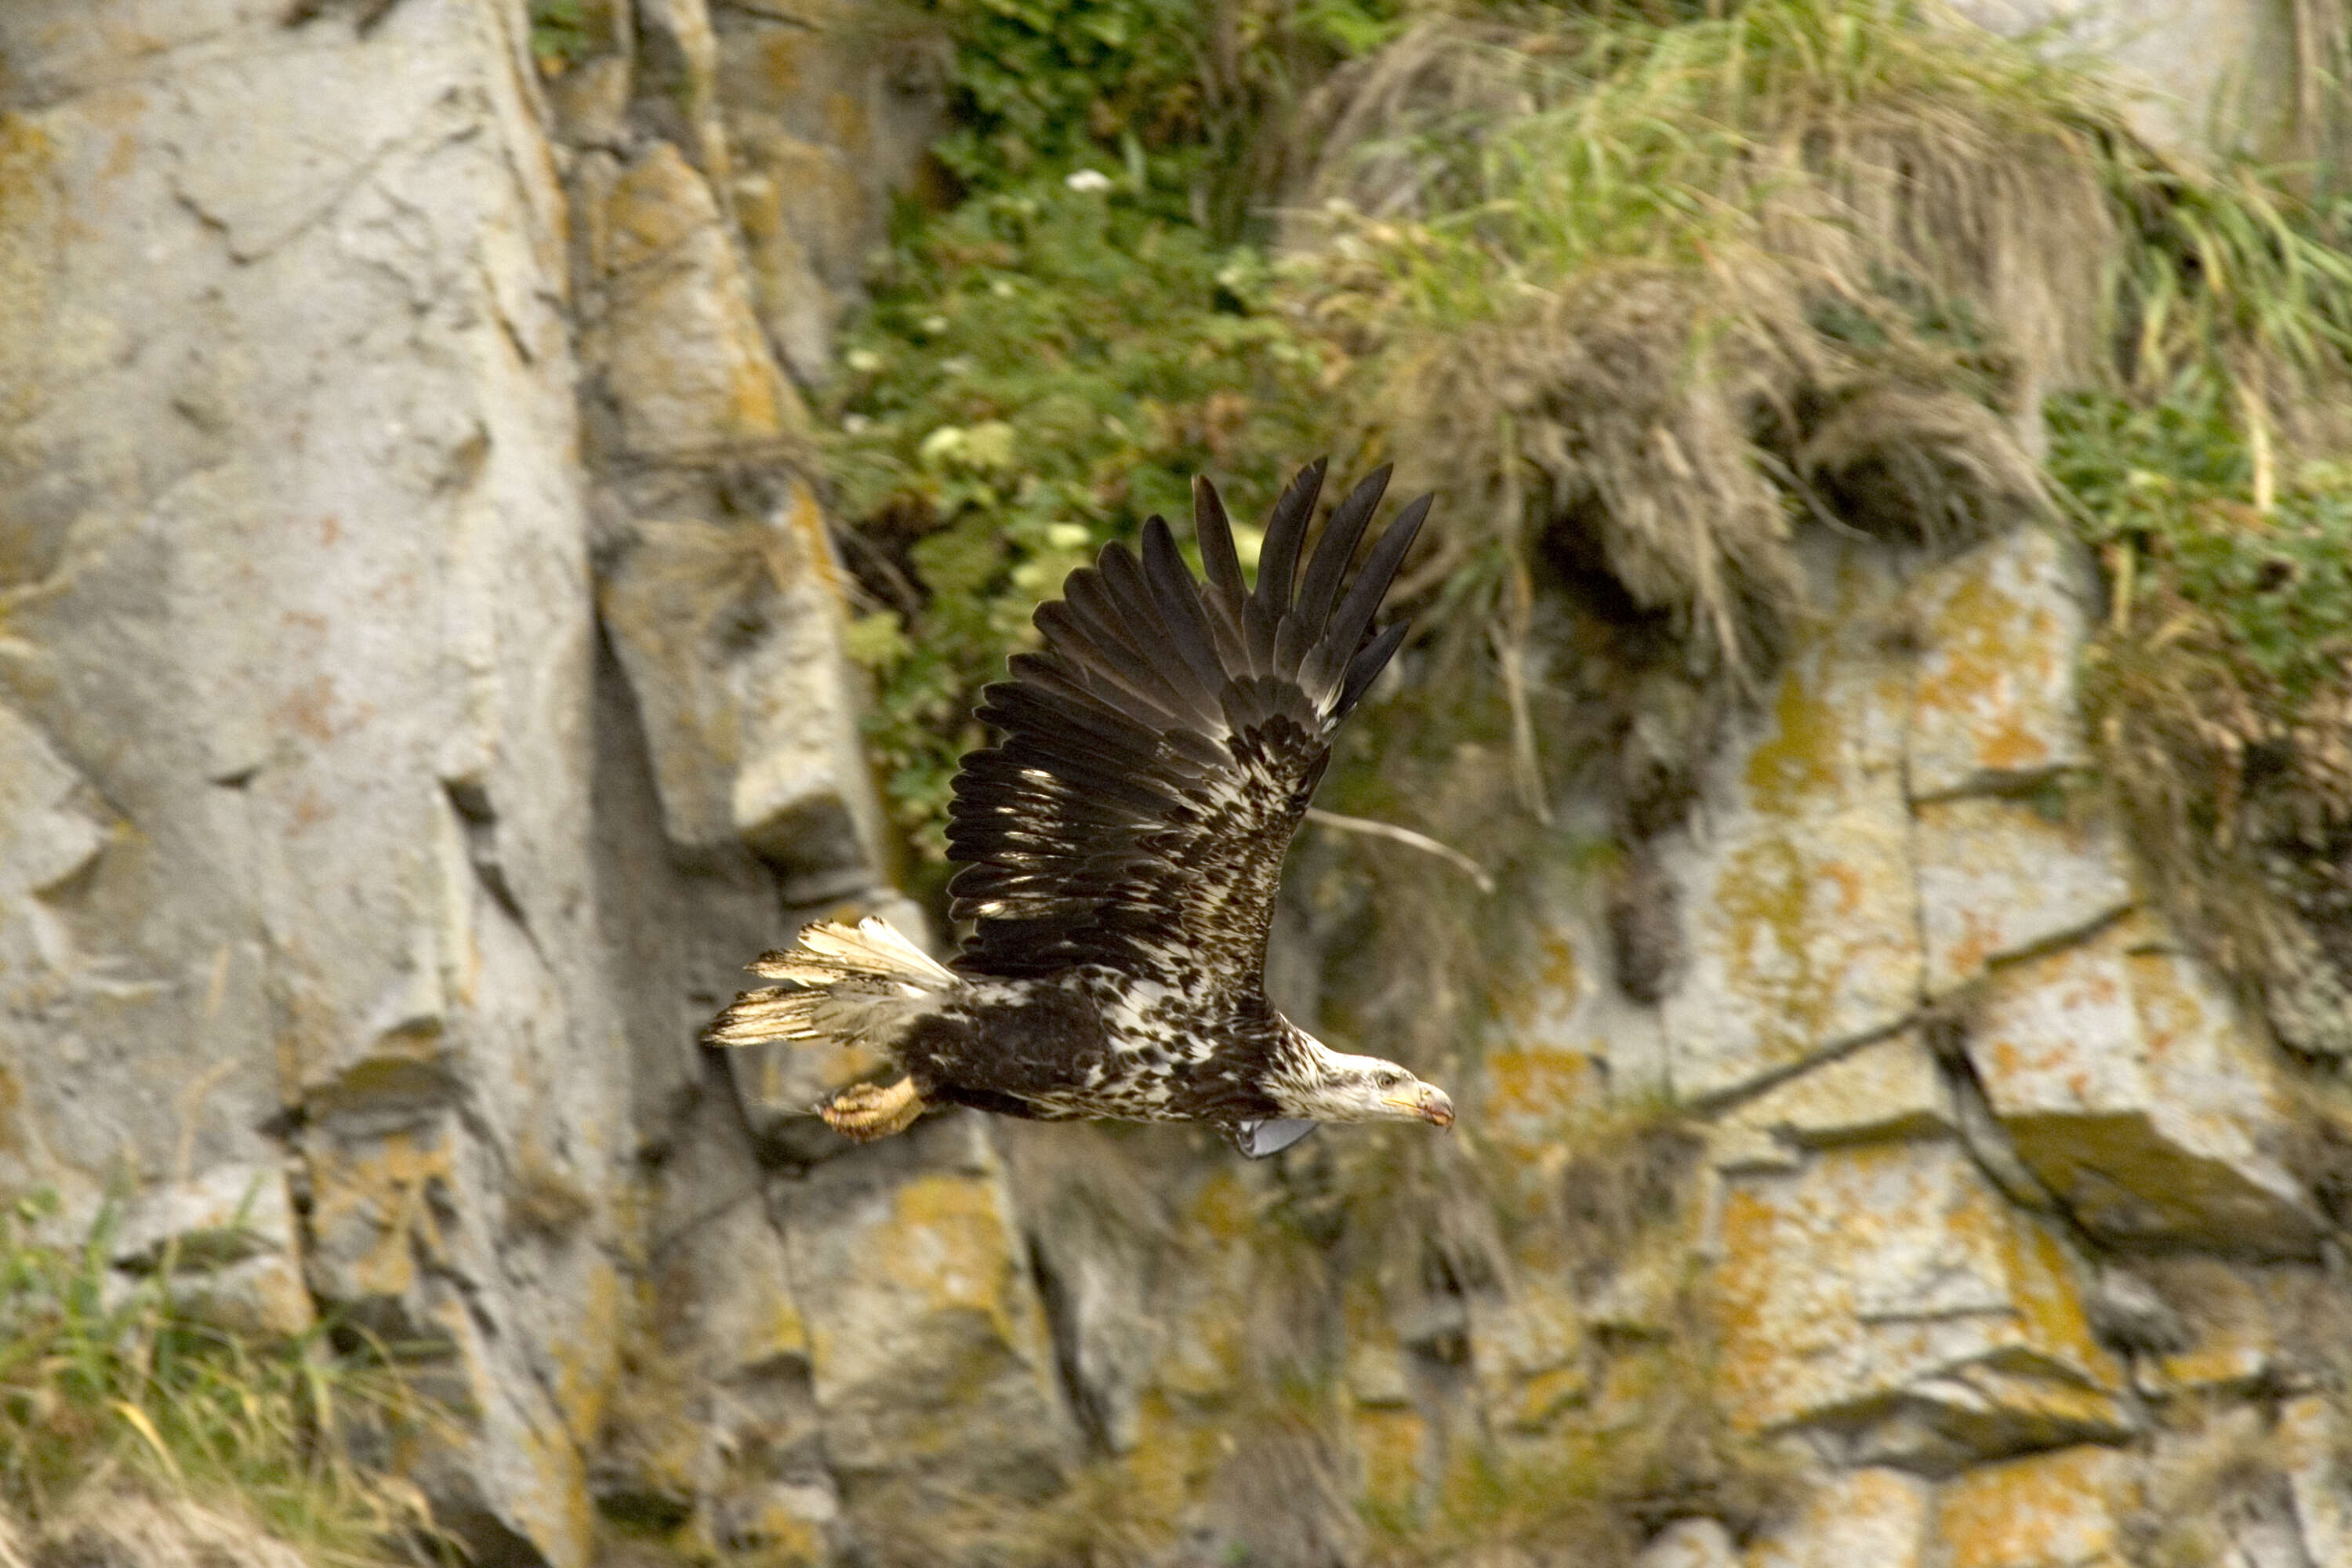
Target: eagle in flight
1120	847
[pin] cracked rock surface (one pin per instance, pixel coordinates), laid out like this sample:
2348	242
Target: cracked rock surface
421	688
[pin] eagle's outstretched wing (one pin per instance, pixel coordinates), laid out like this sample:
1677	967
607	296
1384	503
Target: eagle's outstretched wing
1160	751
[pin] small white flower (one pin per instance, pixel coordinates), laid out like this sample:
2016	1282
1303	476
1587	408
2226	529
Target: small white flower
856	423
865	362
1087	180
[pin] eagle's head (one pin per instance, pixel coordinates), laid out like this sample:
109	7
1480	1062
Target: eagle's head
1316	1083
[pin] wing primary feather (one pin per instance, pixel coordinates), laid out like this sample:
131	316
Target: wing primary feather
1104	679
1371	584
1286	531
1291	644
1015	708
1115	607
1094	606
1215	532
1196	697
1336	548
1366	666
1178	597
1086	632
1037	671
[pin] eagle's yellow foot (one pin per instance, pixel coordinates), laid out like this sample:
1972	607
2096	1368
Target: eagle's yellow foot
865	1111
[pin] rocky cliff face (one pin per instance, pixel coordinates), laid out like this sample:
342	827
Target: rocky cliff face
420	688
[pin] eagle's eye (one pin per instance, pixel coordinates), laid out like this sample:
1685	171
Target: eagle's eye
1388	1077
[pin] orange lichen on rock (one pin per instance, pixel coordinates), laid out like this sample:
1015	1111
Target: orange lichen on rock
2045	1510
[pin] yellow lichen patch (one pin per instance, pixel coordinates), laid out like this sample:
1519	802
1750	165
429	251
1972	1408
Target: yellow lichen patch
651	1433
2029	1065
12	1101
804	521
1986	640
2045	1510
1545	1395
2130	1086
1375	1362
2042	1286
1998	876
1995	681
1222	1208
558	1514
780	60
1810	937
1534	1095
771	1535
1173	1457
1893	1268
1204	1349
587	1357
2230	1312
846	125
1870	1518
1552	982
949	1243
29	221
756	398
1798	768
1527	1350
370	1212
1389	1442
684	355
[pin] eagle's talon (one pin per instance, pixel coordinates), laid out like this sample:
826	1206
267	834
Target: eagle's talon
865	1111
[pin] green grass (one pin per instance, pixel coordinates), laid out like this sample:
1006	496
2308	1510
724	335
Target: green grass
100	1375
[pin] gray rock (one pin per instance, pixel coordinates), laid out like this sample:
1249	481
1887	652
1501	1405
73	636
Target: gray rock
1796	875
931	1361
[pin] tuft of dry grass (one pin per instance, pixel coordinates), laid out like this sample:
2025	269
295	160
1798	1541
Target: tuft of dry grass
1678	287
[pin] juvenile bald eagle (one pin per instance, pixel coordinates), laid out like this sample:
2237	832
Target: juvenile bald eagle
1121	844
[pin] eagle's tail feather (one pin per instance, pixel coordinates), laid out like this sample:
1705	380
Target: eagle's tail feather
853	986
874	949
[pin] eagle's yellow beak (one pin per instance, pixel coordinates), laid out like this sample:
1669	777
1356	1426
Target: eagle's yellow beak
1427	1102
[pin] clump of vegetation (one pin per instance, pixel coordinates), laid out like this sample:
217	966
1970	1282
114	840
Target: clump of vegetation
1046	367
2218	691
112	1382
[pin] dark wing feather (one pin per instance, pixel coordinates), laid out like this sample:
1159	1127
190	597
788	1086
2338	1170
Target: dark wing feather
1158	753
